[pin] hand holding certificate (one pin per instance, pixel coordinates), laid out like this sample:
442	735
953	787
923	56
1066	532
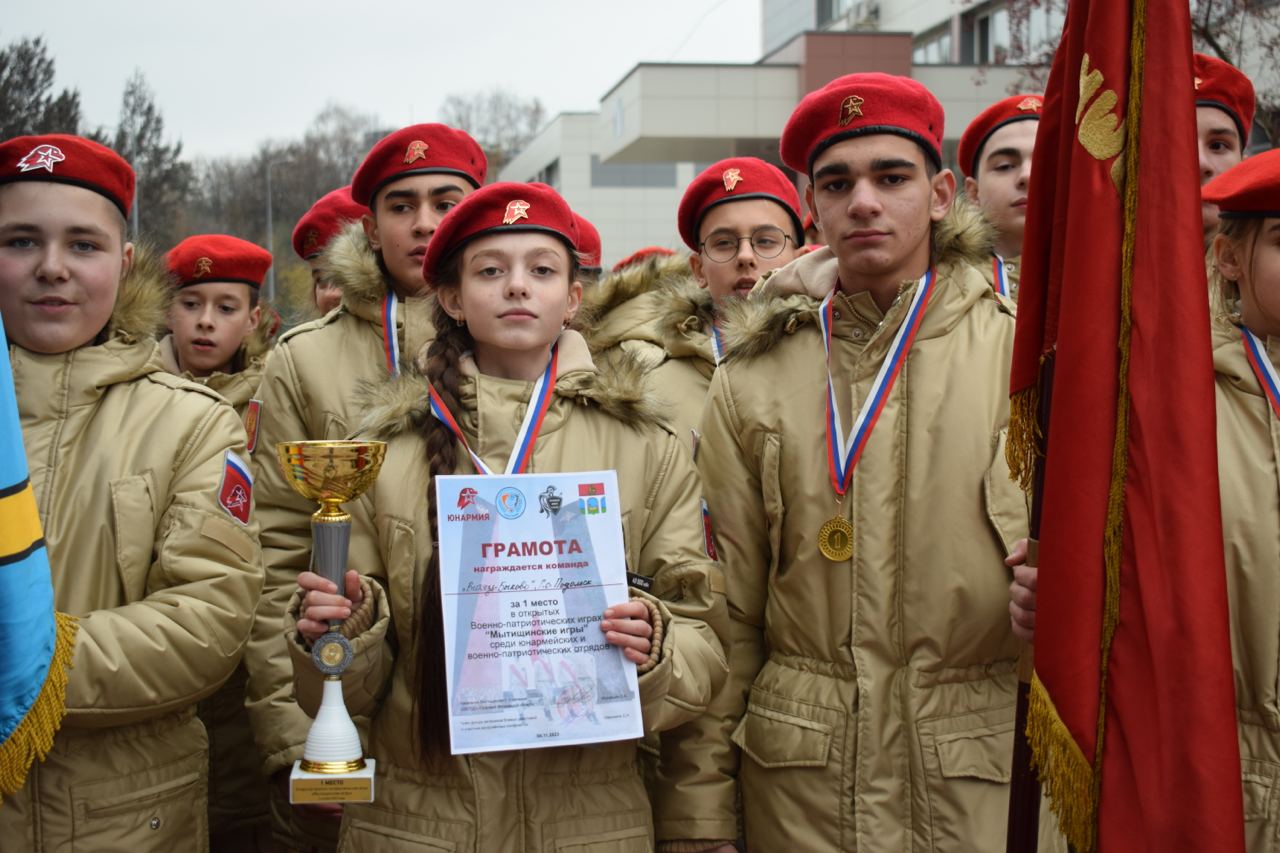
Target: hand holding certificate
528	566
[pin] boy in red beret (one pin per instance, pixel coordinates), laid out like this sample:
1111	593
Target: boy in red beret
995	156
740	218
326	218
1225	107
218	337
145	500
852	457
311	389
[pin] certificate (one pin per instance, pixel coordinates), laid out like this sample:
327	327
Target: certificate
528	564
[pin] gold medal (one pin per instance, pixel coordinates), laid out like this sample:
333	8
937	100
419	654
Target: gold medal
835	539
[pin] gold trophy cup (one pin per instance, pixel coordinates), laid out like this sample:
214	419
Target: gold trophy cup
333	768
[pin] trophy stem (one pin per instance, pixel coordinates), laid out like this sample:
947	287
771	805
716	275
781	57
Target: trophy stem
333	744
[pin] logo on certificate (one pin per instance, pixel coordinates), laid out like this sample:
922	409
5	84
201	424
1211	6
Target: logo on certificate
510	503
591	499
550	501
466	498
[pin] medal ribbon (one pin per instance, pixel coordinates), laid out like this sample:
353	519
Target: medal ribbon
1262	368
390	343
717	343
843	453
999	282
522	452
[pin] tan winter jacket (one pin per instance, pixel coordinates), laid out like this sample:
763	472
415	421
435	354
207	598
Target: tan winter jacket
1012	274
238	794
870	702
127	464
559	798
657	311
1249	478
309	390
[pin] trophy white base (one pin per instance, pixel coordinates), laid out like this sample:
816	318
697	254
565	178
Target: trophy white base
353	787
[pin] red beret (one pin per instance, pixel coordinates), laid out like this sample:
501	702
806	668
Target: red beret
642	255
1222	85
324	220
1250	189
994	117
498	208
589	245
421	149
857	105
217	257
735	179
66	159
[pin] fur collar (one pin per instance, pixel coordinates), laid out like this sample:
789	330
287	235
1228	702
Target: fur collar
787	298
615	384
684	307
603	319
350	263
142	303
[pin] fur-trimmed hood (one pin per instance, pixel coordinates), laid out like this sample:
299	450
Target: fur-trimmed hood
614	383
349	262
624	306
685	313
142	303
788	298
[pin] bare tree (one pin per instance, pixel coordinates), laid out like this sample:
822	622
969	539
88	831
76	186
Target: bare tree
500	122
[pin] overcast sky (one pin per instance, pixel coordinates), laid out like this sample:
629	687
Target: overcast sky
230	73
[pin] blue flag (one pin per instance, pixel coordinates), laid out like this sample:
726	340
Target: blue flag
37	642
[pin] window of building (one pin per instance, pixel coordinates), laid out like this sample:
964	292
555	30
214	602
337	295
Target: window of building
632	174
550	175
933	49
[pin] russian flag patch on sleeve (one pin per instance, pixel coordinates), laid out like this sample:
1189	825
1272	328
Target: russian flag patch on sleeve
235	495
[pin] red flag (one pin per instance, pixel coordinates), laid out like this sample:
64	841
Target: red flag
1132	718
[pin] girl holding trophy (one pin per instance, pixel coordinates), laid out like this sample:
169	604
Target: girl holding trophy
504	267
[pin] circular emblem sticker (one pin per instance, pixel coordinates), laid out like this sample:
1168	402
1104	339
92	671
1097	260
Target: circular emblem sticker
510	503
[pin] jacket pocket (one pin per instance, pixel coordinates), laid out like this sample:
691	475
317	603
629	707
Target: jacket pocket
620	832
1259	780
158	809
796	759
1006	504
968	760
362	836
133	515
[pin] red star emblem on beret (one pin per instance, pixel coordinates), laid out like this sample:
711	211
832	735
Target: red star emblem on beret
516	209
42	157
1031	104
312	240
732	177
204	266
850	109
416	151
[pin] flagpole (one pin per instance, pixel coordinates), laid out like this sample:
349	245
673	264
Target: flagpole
1024	785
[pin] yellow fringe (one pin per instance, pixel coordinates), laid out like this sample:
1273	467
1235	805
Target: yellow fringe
1063	769
33	738
1025	443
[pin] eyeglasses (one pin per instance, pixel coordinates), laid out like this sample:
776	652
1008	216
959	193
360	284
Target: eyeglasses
766	241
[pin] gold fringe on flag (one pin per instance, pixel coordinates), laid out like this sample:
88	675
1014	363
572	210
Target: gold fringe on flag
33	738
1025	443
1063	769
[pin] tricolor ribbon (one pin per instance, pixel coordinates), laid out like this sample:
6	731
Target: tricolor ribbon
999	282
390	343
717	342
522	452
1262	368
843	453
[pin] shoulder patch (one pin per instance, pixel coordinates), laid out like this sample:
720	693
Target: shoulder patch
252	416
709	539
235	492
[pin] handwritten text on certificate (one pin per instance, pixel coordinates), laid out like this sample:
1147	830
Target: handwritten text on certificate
528	564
